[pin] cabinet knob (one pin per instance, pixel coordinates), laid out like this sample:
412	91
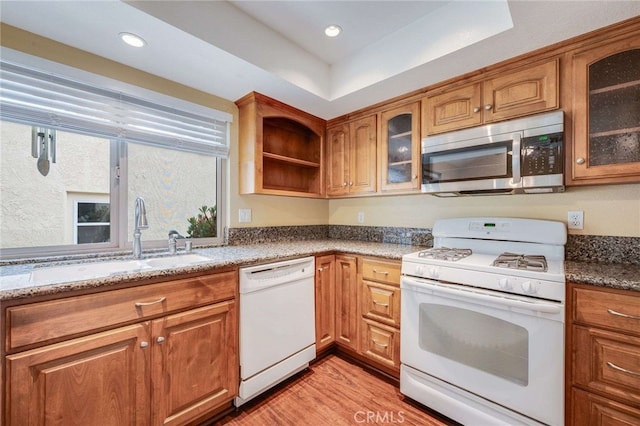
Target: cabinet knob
488	107
160	339
350	183
415	177
320	269
144	344
580	160
476	109
344	183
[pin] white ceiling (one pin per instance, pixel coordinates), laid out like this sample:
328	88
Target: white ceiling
388	48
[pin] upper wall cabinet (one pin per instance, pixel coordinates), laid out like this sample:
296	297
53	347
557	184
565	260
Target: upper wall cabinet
526	91
351	157
606	113
399	149
280	149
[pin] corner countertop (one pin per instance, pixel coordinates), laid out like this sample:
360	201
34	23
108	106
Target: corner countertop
15	279
612	275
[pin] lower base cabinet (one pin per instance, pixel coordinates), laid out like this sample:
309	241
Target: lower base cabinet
170	370
358	308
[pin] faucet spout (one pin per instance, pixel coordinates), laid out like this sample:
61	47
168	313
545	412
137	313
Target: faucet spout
139	223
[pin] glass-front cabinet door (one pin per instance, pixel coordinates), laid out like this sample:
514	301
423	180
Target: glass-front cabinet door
606	113
400	148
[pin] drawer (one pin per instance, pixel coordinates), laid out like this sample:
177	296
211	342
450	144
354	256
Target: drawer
387	271
381	302
592	410
611	310
607	362
381	343
56	319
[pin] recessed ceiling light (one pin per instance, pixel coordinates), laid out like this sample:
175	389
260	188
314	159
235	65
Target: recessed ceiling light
332	31
132	39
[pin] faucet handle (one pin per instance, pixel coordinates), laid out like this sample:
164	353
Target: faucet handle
175	234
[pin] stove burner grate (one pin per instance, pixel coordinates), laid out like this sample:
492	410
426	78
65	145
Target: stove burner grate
445	253
521	261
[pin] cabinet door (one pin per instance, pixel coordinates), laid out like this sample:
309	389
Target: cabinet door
528	91
347	316
195	363
362	161
338	160
400	148
452	110
606	116
325	286
102	379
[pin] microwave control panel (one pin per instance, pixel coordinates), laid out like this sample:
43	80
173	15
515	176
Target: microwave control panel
542	155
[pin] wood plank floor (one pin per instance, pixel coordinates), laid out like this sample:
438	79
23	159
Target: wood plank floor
333	392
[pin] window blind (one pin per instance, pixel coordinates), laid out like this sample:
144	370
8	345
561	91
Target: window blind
36	98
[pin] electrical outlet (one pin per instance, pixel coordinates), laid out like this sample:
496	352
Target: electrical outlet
244	215
360	217
575	219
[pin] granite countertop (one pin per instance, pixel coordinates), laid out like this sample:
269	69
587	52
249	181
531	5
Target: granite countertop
15	279
612	275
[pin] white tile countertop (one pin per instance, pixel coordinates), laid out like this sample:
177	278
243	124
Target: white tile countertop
16	282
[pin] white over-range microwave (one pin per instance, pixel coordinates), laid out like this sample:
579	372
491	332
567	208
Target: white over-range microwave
518	156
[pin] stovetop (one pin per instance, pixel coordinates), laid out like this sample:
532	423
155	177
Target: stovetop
515	256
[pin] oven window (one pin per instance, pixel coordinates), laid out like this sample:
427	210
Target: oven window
477	340
469	163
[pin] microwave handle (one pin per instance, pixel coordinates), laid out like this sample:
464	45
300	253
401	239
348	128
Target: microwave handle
516	153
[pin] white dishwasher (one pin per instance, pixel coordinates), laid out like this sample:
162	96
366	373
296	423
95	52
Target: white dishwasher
277	324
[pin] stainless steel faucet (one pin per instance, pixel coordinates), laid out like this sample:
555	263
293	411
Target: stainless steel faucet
139	222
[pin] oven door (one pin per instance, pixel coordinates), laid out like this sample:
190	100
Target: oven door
491	164
506	349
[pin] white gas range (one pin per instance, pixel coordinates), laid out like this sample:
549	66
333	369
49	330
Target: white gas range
482	327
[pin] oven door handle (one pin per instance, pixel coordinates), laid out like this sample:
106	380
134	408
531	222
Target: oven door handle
472	294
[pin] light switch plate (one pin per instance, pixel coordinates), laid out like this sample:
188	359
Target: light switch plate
244	215
360	217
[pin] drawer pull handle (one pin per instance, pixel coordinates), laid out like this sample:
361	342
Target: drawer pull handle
375	271
382	345
380	304
620	314
624	370
141	304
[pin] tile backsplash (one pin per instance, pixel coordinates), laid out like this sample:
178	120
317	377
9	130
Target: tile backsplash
581	248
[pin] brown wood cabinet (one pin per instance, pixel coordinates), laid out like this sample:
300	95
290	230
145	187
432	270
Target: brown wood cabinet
399	148
380	308
603	362
325	292
606	115
175	365
347	319
525	91
351	158
281	149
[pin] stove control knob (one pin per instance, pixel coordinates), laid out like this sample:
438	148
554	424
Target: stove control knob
419	270
529	287
504	284
434	272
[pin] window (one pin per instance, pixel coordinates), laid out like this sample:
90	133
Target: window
91	222
74	157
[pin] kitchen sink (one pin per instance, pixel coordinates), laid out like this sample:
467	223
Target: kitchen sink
176	261
86	271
